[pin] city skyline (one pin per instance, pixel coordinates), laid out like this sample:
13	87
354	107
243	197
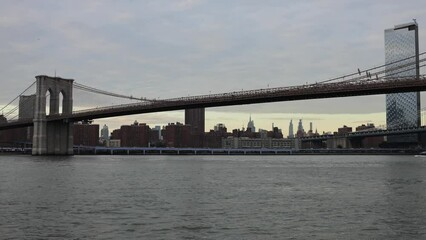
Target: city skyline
250	123
178	48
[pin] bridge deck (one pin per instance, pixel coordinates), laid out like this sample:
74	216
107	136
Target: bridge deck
311	91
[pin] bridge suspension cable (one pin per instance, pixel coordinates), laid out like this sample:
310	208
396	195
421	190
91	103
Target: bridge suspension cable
381	72
371	69
107	93
17	96
363	75
387	72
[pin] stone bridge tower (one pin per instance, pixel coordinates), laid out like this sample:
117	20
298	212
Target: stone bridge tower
53	137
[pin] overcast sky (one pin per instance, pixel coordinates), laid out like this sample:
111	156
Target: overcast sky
190	47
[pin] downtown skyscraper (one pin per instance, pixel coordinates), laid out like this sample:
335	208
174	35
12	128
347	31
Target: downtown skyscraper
290	130
402	60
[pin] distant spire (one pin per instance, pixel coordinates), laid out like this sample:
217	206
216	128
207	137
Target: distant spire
250	125
290	129
300	126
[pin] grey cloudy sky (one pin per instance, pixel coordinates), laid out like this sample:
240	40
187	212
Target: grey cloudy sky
190	47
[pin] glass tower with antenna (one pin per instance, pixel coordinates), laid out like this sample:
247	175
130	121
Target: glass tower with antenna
402	109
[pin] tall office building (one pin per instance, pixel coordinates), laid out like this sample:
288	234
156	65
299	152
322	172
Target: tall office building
158	129
195	118
402	109
300	126
250	125
300	130
105	133
290	130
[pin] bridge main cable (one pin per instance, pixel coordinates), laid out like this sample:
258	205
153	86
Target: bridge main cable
103	92
373	68
17	96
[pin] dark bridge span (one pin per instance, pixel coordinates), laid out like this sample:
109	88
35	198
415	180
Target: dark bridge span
312	91
303	92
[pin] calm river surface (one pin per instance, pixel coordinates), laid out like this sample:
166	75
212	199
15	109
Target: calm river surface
213	197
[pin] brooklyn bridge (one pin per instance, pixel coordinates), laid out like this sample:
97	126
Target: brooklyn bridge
53	131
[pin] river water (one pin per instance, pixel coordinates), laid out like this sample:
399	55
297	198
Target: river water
213	197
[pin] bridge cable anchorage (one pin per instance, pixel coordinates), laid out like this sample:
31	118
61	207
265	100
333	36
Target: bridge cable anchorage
103	92
18	96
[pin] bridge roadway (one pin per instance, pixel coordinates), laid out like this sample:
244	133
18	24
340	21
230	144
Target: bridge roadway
303	92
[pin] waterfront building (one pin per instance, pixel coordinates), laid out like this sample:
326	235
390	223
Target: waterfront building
363	127
213	139
135	135
14	137
402	109
86	134
344	130
245	142
275	133
219	127
116	134
177	135
113	143
245	133
263	133
370	142
339	142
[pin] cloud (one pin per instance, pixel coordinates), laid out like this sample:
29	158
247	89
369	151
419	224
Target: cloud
177	48
187	4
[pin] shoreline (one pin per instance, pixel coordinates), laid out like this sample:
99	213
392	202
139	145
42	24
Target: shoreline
224	152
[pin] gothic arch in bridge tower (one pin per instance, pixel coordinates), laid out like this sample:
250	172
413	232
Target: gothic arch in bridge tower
52	137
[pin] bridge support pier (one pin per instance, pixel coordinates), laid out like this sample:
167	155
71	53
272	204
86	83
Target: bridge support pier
53	137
